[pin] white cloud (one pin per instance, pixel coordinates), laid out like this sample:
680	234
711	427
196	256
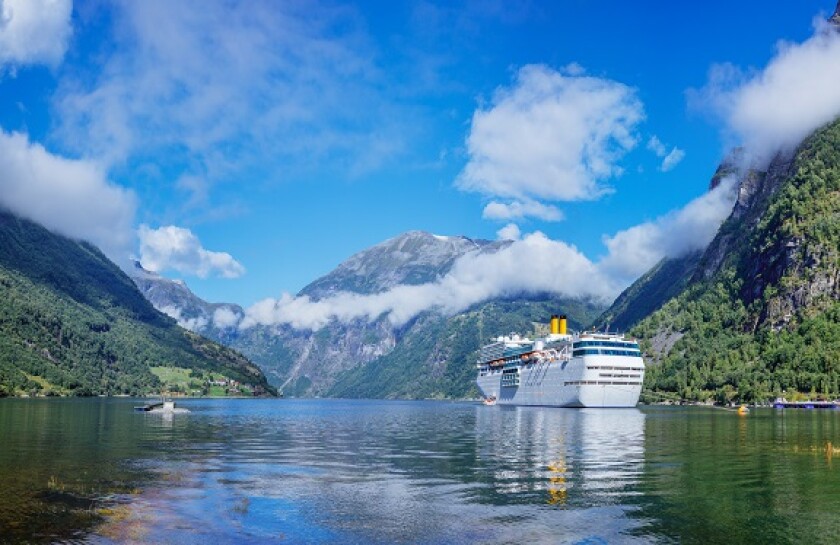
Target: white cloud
474	278
509	232
34	31
219	87
551	136
179	249
531	264
670	159
197	188
775	108
521	209
196	324
225	317
68	196
634	251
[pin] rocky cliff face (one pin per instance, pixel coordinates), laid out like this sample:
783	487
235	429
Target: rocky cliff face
174	298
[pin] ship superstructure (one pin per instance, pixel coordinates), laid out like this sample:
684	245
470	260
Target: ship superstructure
582	370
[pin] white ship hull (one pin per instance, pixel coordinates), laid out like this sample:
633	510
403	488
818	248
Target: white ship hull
583	381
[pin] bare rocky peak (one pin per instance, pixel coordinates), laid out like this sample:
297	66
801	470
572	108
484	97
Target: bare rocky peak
730	166
835	19
415	257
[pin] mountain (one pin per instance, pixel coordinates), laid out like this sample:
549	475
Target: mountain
71	322
667	278
415	257
759	312
647	294
430	356
174	298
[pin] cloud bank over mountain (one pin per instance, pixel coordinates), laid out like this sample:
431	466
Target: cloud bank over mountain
534	265
633	251
69	196
774	108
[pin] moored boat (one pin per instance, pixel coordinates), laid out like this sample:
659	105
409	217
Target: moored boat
162	406
782	403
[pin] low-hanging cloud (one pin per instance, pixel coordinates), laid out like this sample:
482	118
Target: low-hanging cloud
195	323
535	264
34	31
225	317
178	249
773	109
632	252
552	135
69	196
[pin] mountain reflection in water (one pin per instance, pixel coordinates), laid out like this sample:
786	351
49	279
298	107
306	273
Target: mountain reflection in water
318	471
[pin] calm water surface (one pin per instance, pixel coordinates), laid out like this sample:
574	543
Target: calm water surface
332	471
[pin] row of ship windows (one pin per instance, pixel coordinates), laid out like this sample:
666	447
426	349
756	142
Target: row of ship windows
619	375
603	352
601	383
612	344
611	368
487	371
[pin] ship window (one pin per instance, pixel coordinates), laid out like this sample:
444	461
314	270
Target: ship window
605	352
611	344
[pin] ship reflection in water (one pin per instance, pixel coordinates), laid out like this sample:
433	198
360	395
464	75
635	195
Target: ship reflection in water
378	472
575	457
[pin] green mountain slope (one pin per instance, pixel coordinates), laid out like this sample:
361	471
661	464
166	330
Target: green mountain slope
435	357
761	315
647	294
666	279
72	322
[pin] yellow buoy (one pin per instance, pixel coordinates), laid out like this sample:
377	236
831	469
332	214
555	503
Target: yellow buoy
743	410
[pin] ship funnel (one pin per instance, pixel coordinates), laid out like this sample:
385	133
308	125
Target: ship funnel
555	324
562	325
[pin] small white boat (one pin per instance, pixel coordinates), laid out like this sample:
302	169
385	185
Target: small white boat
161	407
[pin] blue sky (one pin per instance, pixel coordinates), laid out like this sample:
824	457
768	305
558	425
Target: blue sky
272	140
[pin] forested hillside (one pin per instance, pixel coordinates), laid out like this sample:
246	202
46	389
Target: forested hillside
71	322
761	315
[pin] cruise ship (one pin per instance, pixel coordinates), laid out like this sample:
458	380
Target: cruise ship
562	370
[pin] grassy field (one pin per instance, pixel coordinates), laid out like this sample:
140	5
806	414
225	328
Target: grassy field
185	381
47	388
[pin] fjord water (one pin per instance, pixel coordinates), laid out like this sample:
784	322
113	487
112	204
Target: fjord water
334	471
